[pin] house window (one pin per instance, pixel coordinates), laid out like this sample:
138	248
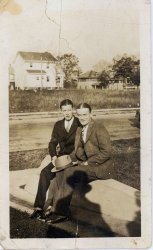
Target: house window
47	66
47	78
42	77
30	65
37	77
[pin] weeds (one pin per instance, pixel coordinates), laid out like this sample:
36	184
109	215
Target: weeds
29	101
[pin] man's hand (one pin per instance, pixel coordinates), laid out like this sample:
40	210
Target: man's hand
85	163
75	163
53	159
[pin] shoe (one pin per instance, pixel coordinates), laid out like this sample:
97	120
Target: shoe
56	218
48	212
38	214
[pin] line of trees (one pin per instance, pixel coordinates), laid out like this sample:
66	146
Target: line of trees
125	67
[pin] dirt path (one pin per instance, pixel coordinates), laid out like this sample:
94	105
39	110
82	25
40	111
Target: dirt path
33	134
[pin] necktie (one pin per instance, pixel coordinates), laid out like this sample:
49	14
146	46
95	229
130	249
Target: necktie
82	134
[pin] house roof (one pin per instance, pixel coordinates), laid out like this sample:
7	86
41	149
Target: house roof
32	71
89	75
46	56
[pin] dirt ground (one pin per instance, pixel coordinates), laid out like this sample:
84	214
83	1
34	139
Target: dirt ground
28	134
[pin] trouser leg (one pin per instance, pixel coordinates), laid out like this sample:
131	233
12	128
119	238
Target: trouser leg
65	182
44	181
52	191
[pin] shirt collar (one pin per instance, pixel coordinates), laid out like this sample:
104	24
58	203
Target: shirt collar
69	121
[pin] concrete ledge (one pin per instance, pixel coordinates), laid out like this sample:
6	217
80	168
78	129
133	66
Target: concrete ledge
34	115
24	183
110	205
105	204
18	182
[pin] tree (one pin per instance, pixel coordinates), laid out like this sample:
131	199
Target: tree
123	67
70	66
104	79
128	68
135	78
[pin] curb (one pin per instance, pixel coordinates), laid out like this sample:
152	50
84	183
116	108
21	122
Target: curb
54	114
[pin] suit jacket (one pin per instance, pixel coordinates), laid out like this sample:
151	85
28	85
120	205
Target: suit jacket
64	139
96	150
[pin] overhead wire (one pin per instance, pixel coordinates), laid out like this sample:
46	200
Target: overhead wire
52	20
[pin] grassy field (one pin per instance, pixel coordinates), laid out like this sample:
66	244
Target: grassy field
29	101
126	156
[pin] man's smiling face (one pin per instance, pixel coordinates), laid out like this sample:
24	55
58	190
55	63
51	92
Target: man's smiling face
84	116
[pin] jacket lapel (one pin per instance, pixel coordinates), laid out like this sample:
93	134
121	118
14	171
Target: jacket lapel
73	126
90	128
78	135
77	138
63	127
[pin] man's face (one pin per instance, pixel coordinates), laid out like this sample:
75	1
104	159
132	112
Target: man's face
84	115
67	111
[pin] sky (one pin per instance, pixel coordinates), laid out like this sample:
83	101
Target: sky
93	30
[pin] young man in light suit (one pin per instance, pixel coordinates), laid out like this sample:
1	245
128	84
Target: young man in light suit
63	136
92	153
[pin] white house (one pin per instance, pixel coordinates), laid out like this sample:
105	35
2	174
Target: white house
35	70
11	78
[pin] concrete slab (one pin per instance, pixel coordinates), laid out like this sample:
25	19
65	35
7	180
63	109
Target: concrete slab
106	204
19	180
111	205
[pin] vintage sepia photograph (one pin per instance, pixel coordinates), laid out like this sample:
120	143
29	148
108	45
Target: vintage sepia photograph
77	130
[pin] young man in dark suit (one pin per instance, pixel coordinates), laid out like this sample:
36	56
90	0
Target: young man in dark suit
93	153
63	138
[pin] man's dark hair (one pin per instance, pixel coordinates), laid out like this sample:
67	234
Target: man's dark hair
66	102
84	105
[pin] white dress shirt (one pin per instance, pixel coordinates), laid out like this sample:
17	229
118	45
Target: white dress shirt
68	124
84	133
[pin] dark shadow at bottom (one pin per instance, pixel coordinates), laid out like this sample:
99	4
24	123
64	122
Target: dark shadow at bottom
54	232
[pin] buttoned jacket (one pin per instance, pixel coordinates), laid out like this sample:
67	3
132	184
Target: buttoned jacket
60	137
96	150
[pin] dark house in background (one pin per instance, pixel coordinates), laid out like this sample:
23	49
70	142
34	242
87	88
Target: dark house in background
88	80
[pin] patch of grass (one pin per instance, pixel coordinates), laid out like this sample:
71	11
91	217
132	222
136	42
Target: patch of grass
126	157
128	169
34	228
29	101
29	229
125	153
37	229
26	159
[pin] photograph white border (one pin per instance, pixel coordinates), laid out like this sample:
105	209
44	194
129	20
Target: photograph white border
90	243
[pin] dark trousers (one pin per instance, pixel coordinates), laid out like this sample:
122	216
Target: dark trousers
64	184
66	180
44	181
